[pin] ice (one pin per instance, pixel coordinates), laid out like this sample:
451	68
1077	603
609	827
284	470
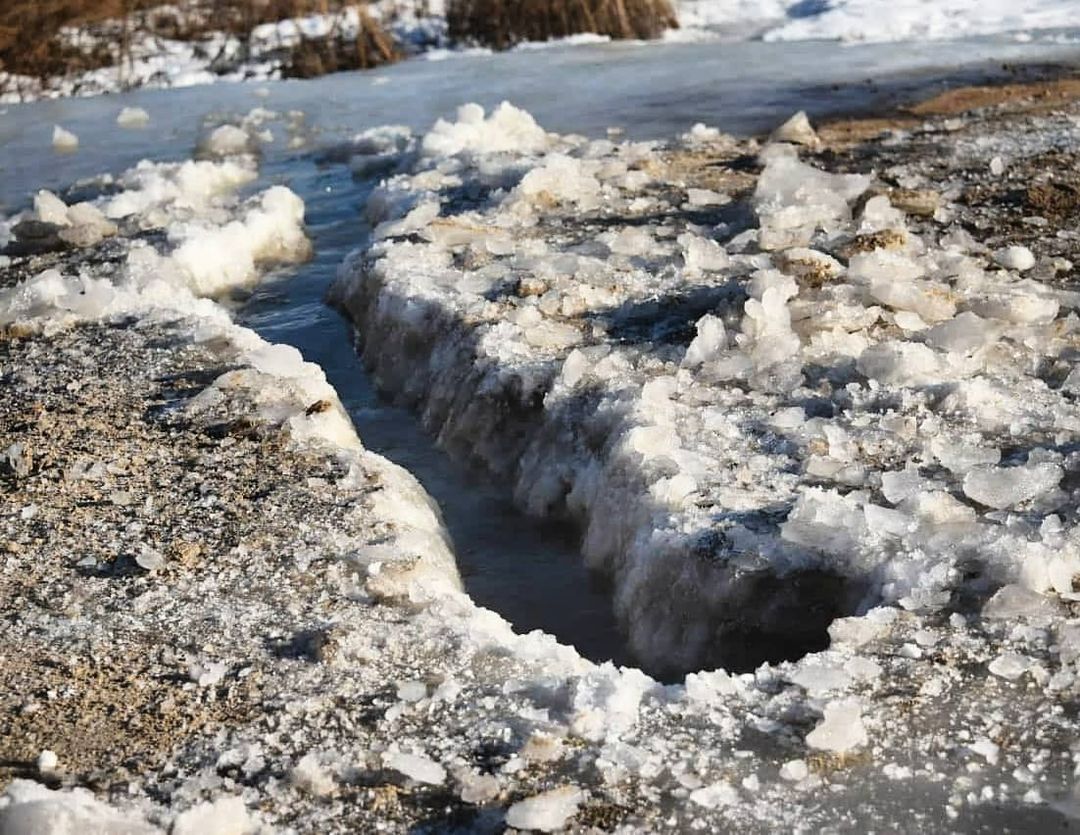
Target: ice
546	812
964	334
1018	258
793	200
901	364
1003	487
28	808
1013	600
710	342
1010	665
225	816
47	762
226	141
132	117
563	179
796	130
842	728
309	775
64	140
794	771
715	796
51	209
416	767
506	129
960	457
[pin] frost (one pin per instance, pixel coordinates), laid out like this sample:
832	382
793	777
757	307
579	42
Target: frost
546	812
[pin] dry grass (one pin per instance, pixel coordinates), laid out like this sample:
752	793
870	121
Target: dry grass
30	42
502	23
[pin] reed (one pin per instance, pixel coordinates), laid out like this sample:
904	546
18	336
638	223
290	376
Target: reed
502	23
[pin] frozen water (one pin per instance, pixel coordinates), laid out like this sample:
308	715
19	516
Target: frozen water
547	812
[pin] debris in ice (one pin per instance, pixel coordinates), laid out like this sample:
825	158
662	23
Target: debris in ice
47	762
225	816
546	812
64	140
133	117
1002	487
416	767
796	130
842	728
1018	258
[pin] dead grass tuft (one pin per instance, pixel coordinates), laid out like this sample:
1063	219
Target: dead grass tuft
502	23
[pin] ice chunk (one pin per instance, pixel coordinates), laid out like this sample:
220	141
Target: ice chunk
842	728
701	254
506	129
560	179
1010	665
964	334
51	209
794	771
818	679
546	812
793	200
226	816
796	130
47	762
959	457
1018	258
901	364
133	117
710	341
28	808
309	775
1012	601
226	141
1002	487
878	215
416	767
64	140
715	796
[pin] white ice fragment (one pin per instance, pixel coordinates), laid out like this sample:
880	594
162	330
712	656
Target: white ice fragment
64	140
699	197
710	342
546	812
796	130
966	333
1013	600
986	749
879	214
794	771
416	767
842	728
818	679
411	691
507	129
898	485
997	166
310	776
960	457
28	808
715	796
901	364
1002	487
47	762
477	788
51	209
701	254
225	816
149	558
1018	258
133	117
225	141
1010	665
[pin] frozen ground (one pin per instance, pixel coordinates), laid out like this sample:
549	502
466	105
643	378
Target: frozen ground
420	31
623	312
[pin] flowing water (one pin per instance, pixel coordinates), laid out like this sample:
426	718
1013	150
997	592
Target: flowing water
527	570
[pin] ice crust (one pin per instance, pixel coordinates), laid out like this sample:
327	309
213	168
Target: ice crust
669	452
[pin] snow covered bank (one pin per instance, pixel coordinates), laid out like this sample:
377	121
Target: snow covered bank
822	397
